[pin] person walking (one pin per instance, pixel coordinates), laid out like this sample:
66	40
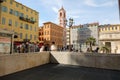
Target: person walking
42	48
53	47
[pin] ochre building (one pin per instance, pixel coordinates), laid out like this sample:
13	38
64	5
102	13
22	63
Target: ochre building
20	19
51	33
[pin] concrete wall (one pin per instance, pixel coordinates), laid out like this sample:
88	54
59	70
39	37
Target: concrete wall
106	61
10	63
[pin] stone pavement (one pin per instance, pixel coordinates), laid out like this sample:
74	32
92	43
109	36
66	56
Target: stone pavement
63	72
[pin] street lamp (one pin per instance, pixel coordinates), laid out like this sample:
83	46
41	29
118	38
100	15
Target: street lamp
69	25
119	7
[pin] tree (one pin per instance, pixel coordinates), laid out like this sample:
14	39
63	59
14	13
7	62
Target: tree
90	41
104	49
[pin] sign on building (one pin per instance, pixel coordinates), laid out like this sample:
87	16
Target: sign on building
5	42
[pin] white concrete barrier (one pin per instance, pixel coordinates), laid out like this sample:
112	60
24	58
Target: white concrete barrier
10	63
97	60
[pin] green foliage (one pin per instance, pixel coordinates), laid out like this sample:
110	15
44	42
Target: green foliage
105	49
91	42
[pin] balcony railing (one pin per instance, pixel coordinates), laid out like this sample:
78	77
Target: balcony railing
27	20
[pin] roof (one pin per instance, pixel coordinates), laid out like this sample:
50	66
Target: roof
62	9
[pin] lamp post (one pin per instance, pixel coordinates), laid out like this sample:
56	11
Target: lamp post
119	7
70	21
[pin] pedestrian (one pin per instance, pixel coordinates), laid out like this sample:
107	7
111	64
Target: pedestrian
42	48
53	47
88	49
96	50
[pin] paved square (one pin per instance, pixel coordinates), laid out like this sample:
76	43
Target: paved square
63	72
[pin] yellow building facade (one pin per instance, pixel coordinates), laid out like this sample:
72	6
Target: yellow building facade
20	19
109	36
52	33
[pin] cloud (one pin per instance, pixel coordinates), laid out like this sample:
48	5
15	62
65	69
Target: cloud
55	9
50	3
109	21
93	3
90	3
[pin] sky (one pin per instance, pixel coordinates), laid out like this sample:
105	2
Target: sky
82	11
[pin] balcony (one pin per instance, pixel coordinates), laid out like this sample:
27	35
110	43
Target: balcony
27	20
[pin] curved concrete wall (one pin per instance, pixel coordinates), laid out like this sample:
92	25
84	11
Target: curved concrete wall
10	63
106	61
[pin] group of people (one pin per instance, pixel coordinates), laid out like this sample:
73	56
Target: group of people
96	50
26	47
34	47
53	47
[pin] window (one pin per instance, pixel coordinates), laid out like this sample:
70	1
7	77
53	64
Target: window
21	25
26	16
32	18
34	37
26	10
4	9
45	33
21	14
10	22
47	38
16	13
17	5
31	28
26	36
11	11
26	26
60	14
16	23
11	1
112	28
21	35
35	28
48	33
3	20
22	7
31	11
31	36
116	27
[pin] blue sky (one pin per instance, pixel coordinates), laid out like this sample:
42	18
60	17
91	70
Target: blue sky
82	11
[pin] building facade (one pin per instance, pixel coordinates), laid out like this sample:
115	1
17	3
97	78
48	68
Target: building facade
51	33
67	36
109	36
41	36
20	19
80	33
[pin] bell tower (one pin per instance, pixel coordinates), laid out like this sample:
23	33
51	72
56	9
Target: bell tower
62	17
62	22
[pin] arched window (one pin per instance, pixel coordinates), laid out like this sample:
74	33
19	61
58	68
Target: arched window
60	14
64	15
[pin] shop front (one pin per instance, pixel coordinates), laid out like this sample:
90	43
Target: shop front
6	41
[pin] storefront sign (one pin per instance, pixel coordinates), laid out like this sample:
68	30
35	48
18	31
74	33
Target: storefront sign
5	43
